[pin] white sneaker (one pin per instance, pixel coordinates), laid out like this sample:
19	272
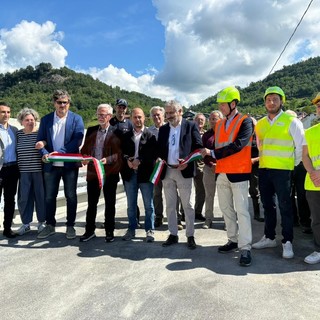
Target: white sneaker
25	228
265	243
287	250
41	226
150	236
313	258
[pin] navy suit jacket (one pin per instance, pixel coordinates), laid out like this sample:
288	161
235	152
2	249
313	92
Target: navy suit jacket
72	140
190	140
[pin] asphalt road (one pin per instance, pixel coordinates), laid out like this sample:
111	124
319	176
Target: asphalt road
58	278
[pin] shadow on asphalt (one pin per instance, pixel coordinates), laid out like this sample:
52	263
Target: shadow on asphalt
267	261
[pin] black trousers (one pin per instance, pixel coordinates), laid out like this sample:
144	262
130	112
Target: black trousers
109	192
9	177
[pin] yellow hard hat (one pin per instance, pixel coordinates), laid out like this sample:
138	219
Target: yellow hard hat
276	90
316	99
228	95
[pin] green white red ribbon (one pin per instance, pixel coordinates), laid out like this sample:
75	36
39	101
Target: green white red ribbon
195	155
156	173
75	157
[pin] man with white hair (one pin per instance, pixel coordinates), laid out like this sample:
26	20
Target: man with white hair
101	143
178	139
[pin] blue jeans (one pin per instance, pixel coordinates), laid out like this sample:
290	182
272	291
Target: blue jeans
30	193
131	187
52	181
272	183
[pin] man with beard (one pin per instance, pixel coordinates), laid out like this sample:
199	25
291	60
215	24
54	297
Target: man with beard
280	137
177	139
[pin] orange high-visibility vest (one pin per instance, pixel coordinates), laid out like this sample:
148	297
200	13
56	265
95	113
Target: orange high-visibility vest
239	162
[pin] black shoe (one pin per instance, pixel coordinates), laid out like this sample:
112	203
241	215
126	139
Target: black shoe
228	247
158	222
200	217
245	258
87	236
191	243
171	240
258	218
8	233
109	237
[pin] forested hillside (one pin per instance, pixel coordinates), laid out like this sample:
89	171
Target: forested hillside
300	82
33	87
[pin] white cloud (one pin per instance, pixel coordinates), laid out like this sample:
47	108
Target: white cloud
209	44
30	43
213	43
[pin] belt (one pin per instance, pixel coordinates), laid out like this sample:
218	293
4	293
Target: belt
173	166
9	164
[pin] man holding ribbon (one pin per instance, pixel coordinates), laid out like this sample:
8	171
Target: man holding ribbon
177	140
102	143
232	151
60	131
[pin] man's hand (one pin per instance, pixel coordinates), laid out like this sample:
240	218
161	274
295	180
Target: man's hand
315	177
205	152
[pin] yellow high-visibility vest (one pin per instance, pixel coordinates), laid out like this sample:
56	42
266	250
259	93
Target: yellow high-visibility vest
313	141
276	146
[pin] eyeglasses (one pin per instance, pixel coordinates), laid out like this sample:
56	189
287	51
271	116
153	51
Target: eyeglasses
62	102
102	115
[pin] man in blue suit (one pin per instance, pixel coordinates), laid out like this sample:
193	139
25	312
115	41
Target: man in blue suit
60	131
176	140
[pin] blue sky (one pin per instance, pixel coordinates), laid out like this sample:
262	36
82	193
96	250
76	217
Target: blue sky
171	49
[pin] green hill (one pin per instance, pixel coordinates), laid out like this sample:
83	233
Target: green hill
33	87
300	82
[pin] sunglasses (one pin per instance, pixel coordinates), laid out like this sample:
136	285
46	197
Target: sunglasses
62	102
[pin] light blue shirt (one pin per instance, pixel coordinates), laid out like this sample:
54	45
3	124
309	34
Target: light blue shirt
8	138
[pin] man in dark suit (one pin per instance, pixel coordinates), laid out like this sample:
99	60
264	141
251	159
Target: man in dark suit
176	140
102	143
139	151
60	131
9	171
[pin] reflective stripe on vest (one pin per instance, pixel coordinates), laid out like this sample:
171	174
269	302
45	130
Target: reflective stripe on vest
276	146
239	162
231	137
313	142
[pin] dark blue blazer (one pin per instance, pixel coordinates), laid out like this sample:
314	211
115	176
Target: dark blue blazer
190	140
72	140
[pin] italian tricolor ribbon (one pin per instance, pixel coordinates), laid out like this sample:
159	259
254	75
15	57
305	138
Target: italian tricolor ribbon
195	155
156	173
75	157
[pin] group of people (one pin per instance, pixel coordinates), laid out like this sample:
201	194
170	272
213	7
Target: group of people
127	148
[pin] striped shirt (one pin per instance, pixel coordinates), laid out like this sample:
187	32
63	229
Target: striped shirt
29	158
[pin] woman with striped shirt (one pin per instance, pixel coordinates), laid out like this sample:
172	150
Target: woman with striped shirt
31	187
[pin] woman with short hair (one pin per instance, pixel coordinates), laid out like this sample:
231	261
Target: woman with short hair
31	187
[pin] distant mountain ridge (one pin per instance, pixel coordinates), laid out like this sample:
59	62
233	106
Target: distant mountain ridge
33	87
300	82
